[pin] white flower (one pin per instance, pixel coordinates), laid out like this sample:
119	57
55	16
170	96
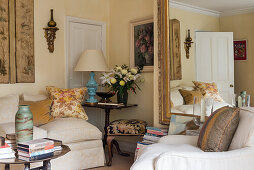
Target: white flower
134	71
118	68
131	77
124	72
106	78
136	77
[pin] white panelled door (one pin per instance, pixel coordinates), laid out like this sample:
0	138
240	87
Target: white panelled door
215	61
82	36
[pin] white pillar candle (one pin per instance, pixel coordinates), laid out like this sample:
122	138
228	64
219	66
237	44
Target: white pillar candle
202	109
239	101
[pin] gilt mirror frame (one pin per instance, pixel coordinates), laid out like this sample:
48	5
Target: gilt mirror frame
163	61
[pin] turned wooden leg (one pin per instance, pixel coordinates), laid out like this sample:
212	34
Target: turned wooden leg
27	166
46	165
110	149
7	167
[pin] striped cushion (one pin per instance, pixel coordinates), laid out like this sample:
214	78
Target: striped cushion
218	131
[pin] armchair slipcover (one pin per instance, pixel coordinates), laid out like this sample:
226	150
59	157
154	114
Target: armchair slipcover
179	152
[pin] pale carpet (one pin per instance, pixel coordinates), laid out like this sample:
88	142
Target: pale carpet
119	163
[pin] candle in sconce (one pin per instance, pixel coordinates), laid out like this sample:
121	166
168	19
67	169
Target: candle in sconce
188	33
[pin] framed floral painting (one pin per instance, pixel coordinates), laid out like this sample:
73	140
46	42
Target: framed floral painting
240	49
142	44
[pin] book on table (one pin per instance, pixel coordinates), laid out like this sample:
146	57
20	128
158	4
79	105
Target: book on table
57	144
36	149
6	152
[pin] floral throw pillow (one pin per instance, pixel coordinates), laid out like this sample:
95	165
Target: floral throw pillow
67	102
209	90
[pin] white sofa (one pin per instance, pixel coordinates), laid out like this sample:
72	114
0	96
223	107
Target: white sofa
84	139
178	101
178	152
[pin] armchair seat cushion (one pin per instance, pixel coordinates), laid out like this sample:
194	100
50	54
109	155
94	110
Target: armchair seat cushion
70	130
127	127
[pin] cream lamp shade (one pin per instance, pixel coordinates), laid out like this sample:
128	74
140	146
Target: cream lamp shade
92	60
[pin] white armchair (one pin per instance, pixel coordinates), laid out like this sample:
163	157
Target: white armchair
179	152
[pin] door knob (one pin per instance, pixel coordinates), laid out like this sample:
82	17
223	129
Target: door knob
231	85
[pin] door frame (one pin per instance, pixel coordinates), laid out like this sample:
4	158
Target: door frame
70	20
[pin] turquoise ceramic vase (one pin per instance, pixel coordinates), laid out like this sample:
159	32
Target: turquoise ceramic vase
24	124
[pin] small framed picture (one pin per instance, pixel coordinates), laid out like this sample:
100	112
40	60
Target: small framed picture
142	44
240	49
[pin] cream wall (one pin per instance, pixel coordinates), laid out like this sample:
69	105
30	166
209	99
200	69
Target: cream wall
121	13
50	68
242	26
194	22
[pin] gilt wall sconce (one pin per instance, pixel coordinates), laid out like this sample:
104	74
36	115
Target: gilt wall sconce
188	42
50	33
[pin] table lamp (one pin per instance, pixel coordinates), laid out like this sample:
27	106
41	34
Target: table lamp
92	60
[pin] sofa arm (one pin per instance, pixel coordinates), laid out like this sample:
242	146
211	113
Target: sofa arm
241	159
179	139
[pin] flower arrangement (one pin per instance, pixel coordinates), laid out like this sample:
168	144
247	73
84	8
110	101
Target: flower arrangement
122	79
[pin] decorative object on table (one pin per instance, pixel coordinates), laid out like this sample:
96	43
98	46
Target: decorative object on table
142	43
243	95
240	49
4	36
175	46
218	131
248	101
121	80
11	140
2	141
234	100
123	127
92	60
35	149
187	44
24	41
50	33
239	102
24	124
67	102
105	96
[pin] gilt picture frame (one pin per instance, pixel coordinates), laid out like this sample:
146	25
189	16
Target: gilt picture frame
142	43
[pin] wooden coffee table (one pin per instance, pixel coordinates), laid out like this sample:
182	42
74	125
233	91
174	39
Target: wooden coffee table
46	161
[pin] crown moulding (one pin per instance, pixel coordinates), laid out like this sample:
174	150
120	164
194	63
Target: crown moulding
191	8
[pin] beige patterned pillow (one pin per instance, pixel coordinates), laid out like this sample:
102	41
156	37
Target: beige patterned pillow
67	102
209	90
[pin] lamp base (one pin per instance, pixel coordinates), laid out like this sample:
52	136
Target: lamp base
91	104
91	88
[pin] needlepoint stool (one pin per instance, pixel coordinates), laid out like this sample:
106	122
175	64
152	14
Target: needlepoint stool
123	127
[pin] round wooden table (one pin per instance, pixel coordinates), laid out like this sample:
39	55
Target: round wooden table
46	161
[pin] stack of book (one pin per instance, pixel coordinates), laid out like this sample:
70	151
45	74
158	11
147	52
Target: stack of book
6	152
35	149
152	136
57	144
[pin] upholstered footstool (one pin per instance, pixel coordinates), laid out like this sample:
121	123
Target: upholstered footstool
123	127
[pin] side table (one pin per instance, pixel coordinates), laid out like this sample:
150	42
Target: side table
107	109
46	161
